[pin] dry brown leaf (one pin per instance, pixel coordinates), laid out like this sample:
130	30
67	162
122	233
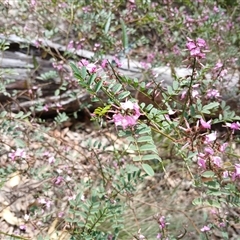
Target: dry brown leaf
10	218
14	180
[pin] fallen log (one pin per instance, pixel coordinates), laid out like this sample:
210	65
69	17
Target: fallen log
24	63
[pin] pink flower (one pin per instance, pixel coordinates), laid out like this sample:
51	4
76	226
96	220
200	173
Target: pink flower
96	46
117	61
222	224
23	227
217	161
45	108
145	65
209	150
70	45
223	73
201	43
58	180
183	95
92	68
201	163
38	43
162	222
237	169
83	62
205	229
150	57
51	159
195	47
225	174
45	202
58	65
195	52
215	9
218	65
195	93
104	63
60	214
223	147
126	120
191	45
18	153
128	105
210	137
205	124
236	174
213	93
233	126
33	3
86	9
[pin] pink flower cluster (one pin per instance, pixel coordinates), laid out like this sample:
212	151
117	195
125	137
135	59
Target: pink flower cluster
129	117
162	224
233	126
209	154
196	47
21	153
91	67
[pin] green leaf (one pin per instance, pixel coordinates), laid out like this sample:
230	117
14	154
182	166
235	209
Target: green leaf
210	106
148	147
124	36
107	25
175	85
123	95
48	75
170	90
131	168
76	71
102	111
133	147
70	220
197	201
145	139
61	117
149	107
57	92
143	128
19	143
212	184
80	213
83	73
208	174
148	169
19	115
214	192
26	115
92	78
80	224
213	203
151	157
143	86
137	158
98	86
3	114
116	88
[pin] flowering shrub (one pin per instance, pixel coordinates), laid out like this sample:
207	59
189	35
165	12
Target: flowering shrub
191	135
178	133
